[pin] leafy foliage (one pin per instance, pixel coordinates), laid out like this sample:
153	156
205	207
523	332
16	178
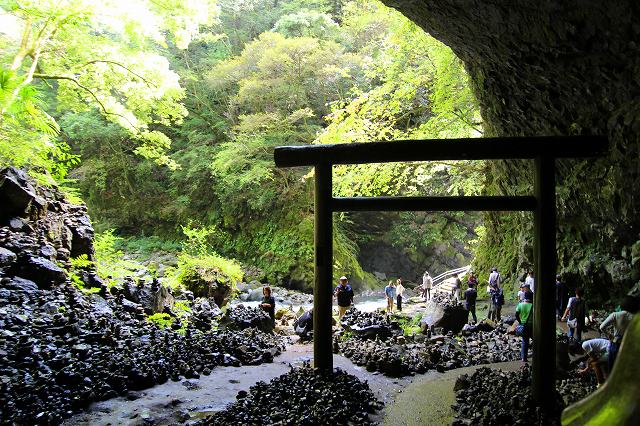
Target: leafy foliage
214	101
91	55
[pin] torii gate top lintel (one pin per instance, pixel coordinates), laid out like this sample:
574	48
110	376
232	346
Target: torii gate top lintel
502	148
543	149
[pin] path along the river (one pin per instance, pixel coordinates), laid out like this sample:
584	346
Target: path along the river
423	399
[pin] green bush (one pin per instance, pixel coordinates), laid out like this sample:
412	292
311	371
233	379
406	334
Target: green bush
161	320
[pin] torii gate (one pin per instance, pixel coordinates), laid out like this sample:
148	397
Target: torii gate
543	150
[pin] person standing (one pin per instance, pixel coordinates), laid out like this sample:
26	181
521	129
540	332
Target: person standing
530	281
427	283
575	313
615	325
399	293
457	287
390	293
497	300
268	304
524	315
561	295
344	295
472	280
495	278
470	297
521	293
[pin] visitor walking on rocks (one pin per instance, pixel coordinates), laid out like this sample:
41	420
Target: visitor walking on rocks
524	315
400	292
344	295
497	300
615	325
561	297
390	292
470	296
457	287
427	283
269	304
574	314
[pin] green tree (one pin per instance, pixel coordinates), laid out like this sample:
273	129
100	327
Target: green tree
92	55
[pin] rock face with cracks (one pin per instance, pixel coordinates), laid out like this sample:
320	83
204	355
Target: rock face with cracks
39	230
551	68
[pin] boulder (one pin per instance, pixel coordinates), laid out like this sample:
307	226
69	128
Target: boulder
82	240
450	318
42	271
209	283
255	295
20	284
17	194
7	258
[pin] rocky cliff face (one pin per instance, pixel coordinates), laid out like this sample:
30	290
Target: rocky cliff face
40	231
547	68
61	348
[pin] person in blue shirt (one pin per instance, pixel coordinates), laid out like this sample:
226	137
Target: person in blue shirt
390	292
344	295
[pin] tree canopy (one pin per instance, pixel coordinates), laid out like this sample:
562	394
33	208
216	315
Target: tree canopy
167	113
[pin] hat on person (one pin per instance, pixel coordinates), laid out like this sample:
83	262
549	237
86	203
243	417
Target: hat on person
522	285
343	278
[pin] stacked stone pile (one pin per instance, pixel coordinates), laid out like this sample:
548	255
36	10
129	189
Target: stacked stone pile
393	354
61	350
240	317
497	397
407	355
302	397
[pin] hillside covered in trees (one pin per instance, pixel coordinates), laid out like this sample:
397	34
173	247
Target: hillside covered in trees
163	117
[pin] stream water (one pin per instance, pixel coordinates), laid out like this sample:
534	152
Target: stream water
367	303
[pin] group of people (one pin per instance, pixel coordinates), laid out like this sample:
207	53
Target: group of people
601	353
394	292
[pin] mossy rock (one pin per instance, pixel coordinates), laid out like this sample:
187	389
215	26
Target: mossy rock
210	276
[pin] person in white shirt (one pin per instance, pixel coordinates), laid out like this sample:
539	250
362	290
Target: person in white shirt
399	293
615	325
521	293
529	280
427	283
598	352
494	278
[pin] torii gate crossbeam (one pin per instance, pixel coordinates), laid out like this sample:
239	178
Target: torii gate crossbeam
543	150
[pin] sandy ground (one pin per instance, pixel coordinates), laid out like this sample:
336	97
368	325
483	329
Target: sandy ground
427	401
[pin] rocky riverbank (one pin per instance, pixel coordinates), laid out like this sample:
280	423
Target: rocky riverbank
67	340
372	341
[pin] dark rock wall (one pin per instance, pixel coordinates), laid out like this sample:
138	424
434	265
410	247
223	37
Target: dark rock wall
39	231
544	68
